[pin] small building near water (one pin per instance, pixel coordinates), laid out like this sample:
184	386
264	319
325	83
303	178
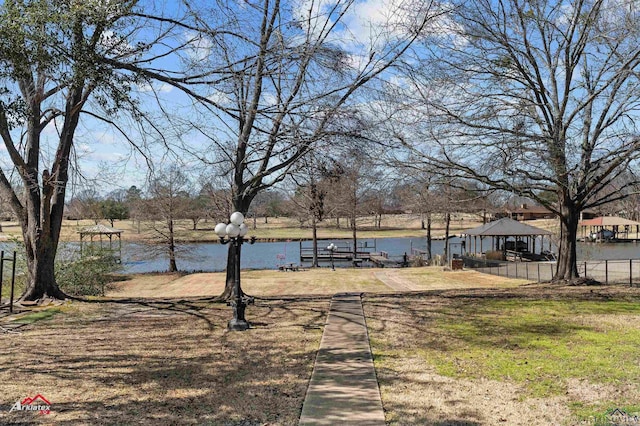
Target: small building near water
508	239
529	212
608	228
103	237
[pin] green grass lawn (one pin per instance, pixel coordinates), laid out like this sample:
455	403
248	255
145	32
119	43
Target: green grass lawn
547	348
541	344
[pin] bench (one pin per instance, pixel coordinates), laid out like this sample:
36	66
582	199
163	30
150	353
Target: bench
288	267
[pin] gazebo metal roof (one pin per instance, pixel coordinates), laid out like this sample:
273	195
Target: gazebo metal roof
99	229
608	221
506	227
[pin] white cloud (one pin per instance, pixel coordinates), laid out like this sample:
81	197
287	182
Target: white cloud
110	157
198	47
219	98
157	88
369	25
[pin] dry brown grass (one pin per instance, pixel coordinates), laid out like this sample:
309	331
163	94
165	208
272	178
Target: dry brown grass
257	283
306	282
163	363
171	361
435	278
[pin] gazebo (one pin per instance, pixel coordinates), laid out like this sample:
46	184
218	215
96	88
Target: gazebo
620	226
101	231
500	231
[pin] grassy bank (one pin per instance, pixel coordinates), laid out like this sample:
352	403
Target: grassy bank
306	282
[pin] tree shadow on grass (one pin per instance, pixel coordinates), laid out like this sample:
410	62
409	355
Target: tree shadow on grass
166	362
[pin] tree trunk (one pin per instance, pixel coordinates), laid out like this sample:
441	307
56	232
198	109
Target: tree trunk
567	266
447	225
173	267
41	280
41	231
429	238
314	231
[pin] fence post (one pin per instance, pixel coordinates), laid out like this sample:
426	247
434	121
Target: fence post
551	271
539	273
527	271
516	262
606	272
13	282
585	269
1	273
506	271
630	272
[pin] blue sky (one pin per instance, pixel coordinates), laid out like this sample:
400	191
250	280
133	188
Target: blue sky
107	159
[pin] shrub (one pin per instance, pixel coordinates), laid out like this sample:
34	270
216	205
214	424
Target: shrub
87	276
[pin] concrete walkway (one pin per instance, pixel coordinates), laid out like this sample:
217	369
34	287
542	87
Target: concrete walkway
343	388
391	280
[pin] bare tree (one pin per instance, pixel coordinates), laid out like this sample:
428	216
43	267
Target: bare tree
134	203
536	98
285	75
267	203
418	197
314	180
168	202
55	58
356	183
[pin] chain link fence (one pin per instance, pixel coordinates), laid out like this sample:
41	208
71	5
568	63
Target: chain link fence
605	271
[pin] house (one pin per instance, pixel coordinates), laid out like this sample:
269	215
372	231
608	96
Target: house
527	212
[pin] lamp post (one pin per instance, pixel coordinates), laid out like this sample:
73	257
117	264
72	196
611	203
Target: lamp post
234	233
332	248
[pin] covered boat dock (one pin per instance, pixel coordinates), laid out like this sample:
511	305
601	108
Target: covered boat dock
513	239
621	228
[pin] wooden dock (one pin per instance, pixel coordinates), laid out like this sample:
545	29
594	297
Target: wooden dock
338	255
344	253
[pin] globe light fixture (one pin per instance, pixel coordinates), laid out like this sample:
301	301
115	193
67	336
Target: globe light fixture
233	233
332	248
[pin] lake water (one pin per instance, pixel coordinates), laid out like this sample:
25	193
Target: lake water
210	257
213	257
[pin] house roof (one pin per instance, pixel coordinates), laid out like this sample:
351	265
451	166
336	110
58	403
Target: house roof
531	209
100	229
506	227
608	221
